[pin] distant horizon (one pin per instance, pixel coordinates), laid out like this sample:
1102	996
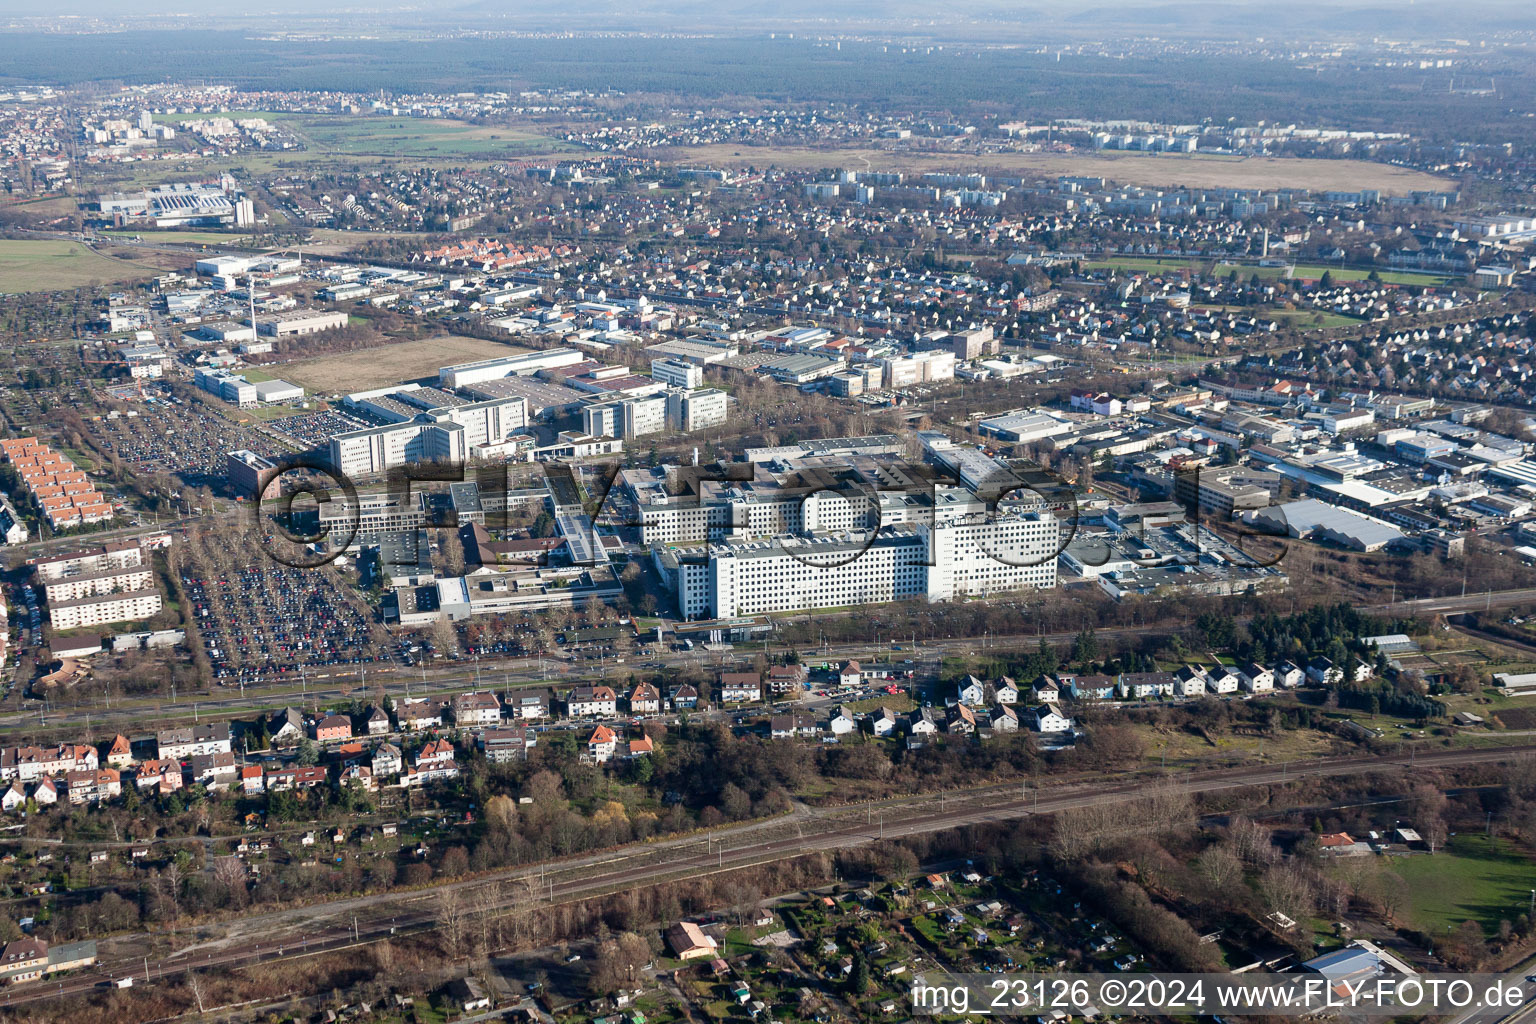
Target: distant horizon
1108	19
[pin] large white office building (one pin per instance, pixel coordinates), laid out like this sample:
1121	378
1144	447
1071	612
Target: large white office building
679	373
357	453
966	556
695	410
443	433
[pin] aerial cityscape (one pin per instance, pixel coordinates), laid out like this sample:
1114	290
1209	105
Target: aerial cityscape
597	514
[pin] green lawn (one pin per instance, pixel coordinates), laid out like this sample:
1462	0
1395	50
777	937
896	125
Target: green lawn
1473	879
28	265
1171	264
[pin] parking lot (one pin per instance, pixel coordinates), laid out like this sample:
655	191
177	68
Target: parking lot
263	621
170	436
313	430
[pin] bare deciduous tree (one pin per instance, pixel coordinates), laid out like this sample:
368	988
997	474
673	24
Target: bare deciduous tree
1219	866
451	922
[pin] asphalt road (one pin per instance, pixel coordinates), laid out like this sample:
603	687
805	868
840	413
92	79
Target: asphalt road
289	934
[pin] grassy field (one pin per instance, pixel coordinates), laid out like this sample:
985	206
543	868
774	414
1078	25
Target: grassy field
1155	265
1472	879
42	265
399	136
388	364
1194	170
385	136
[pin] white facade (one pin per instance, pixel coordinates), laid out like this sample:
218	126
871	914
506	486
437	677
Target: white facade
524	365
696	410
97	584
980	555
678	372
941	562
97	611
377	449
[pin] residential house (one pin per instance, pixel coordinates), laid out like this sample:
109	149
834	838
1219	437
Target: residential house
161	774
437	771
683	697
1005	690
639	746
644	699
1255	678
46	794
29	763
472	709
14	798
1289	675
1046	690
972	691
959	719
287	727
302	777
740	687
333	727
921	723
883	722
1005	718
415	715
387	761
602	744
842	721
120	753
1048	719
510	744
529	705
360	774
1222	680
788	726
252	779
436	753
1192	681
93	787
178	744
214	771
1100	687
587	701
784	679
850	675
376	721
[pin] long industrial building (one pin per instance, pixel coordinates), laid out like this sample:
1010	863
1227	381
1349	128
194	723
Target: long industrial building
524	364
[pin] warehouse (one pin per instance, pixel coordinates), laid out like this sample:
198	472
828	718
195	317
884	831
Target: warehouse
1023	427
1315	520
278	391
293	322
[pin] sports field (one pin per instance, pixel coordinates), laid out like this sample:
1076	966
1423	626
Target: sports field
389	364
1472	879
1168	169
28	265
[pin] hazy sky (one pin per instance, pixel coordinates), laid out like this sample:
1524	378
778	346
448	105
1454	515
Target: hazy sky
1227	19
